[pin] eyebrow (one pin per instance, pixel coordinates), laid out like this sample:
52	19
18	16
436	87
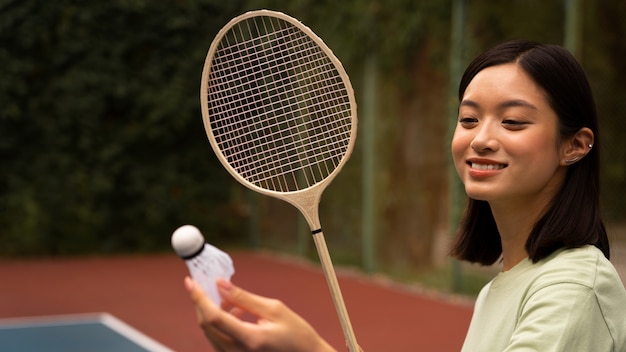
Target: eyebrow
502	105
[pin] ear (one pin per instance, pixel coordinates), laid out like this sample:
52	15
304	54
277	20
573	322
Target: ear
576	147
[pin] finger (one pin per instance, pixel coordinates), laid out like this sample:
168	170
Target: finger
220	341
237	312
217	323
205	308
259	306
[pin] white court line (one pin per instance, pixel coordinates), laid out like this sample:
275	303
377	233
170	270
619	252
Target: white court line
132	334
49	320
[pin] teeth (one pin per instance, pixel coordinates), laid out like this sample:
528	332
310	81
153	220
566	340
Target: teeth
487	166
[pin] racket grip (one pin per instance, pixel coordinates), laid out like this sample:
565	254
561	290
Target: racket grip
335	291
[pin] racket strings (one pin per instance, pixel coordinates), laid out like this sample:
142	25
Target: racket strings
284	161
317	64
234	132
231	62
279	108
246	101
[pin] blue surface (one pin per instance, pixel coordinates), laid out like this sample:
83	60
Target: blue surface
67	336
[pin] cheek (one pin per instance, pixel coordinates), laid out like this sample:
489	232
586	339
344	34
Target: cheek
458	146
540	148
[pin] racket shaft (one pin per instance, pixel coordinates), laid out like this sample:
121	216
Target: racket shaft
335	291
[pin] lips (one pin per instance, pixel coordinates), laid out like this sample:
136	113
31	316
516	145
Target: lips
484	168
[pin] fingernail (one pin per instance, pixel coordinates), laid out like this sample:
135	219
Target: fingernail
189	284
225	285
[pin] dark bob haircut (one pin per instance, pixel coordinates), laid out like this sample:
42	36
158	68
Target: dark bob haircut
572	219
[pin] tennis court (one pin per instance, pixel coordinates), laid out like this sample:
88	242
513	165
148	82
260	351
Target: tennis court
145	296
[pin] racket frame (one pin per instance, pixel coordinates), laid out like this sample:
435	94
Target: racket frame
305	200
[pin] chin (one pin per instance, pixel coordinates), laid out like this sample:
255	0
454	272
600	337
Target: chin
478	198
478	195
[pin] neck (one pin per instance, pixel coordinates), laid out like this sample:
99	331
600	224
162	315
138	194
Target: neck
515	221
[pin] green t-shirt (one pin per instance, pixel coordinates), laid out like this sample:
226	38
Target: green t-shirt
573	300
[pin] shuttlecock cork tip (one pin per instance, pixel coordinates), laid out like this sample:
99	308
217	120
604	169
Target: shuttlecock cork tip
187	241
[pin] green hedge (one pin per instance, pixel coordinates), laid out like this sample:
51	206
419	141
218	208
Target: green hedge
101	136
102	147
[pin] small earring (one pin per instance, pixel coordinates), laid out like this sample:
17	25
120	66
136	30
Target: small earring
572	160
590	146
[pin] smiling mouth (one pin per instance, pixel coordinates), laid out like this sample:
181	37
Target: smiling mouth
477	166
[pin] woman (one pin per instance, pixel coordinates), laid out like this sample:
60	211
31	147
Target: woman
524	148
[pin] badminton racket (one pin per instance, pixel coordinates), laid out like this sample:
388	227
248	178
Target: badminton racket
280	114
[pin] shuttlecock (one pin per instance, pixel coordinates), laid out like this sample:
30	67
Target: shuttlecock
205	262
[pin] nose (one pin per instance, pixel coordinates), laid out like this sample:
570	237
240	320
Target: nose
485	139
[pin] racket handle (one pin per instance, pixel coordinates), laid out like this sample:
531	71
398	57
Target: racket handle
335	292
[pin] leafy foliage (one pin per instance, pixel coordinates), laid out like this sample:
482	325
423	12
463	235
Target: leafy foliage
103	148
102	142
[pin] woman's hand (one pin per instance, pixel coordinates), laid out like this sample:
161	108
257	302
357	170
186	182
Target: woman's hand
277	327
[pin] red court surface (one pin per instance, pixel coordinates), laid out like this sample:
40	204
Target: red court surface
147	293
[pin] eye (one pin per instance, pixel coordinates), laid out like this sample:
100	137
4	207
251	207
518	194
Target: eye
468	122
514	124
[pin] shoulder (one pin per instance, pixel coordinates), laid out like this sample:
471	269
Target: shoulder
582	285
585	266
571	276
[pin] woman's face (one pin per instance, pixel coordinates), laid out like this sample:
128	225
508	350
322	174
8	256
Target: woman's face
505	146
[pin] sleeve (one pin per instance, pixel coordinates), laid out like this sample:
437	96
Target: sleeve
561	317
